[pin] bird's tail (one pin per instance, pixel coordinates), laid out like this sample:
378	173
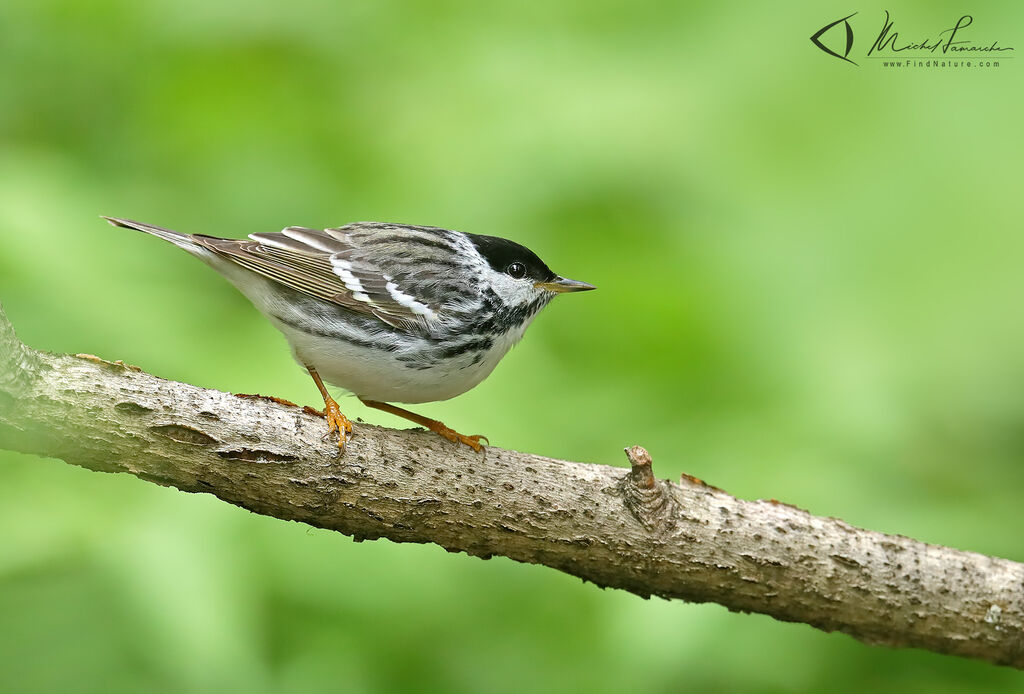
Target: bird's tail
177	238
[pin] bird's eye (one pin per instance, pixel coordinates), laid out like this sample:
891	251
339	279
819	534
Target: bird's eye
516	270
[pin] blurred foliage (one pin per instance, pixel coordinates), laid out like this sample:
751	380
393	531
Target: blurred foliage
809	289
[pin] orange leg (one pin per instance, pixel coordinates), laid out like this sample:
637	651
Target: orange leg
432	424
336	421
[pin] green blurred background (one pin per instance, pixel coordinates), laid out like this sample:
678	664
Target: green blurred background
809	289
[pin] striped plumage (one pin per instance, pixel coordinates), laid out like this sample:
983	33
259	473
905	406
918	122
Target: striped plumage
389	312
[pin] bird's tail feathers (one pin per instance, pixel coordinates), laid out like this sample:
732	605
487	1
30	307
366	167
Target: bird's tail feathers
177	238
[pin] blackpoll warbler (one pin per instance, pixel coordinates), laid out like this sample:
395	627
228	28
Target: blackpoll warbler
389	312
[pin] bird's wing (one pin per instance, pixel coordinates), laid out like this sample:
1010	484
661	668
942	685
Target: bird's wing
366	267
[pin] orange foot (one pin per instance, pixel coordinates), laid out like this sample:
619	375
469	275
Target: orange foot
432	424
452	435
337	422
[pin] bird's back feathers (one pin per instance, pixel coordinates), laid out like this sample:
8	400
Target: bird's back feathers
371	268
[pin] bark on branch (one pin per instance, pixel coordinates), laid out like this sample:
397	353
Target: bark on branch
617	528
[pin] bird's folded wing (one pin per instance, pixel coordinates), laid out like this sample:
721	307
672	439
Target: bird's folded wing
330	265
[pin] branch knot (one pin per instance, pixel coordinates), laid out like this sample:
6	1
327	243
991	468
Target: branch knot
648	499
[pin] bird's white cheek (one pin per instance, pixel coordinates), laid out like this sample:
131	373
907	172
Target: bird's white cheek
512	291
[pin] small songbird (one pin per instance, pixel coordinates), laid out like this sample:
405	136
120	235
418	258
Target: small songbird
389	312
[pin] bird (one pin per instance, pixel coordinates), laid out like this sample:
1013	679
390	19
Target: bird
387	312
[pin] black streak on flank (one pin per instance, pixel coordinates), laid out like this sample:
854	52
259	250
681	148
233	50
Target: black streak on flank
480	344
308	328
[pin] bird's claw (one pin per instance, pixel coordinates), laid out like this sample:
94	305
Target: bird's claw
455	437
337	422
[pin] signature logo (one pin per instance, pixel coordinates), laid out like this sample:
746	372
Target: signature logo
816	39
951	42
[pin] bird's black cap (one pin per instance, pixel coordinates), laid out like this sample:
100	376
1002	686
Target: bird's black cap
500	253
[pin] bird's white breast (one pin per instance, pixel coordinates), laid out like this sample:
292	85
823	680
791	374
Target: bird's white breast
395	375
373	374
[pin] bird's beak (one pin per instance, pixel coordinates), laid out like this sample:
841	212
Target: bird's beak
560	285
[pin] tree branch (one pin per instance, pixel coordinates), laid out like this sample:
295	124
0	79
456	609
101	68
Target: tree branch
616	528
